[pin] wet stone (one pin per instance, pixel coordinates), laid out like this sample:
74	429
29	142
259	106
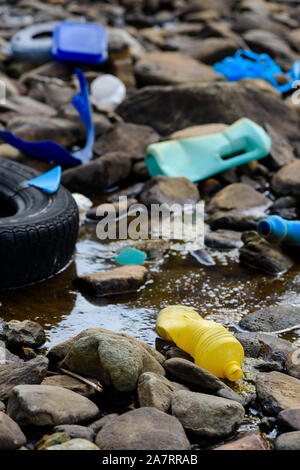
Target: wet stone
289	419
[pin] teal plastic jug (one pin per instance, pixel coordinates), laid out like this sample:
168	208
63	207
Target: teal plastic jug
198	158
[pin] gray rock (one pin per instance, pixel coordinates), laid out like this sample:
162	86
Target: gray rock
143	429
156	391
288	441
191	374
289	419
287	180
75	431
171	68
264	345
248	20
27	106
232	220
99	174
19	373
114	359
238	196
277	392
274	318
161	189
11	436
281	151
209	102
24	333
126	138
259	254
293	363
97	425
44	405
206	415
34	129
223	240
75	444
116	281
2	406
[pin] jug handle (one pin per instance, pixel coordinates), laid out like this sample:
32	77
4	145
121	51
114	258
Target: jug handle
240	159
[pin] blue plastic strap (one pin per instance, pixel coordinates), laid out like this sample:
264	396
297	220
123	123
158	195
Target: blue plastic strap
49	150
48	182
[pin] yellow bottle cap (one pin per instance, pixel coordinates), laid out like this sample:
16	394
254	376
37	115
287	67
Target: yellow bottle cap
233	371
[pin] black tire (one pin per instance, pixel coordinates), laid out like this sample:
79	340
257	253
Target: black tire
38	231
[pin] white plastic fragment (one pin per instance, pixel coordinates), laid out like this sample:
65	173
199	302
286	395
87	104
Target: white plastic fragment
108	91
83	204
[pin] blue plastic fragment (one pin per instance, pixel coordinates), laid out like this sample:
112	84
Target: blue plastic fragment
248	64
80	42
48	182
131	256
49	150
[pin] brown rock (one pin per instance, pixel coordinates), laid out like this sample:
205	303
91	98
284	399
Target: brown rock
156	391
170	68
126	138
287	180
289	419
198	131
250	441
11	436
70	383
293	363
161	189
277	392
24	333
99	174
143	429
116	281
17	373
288	441
238	196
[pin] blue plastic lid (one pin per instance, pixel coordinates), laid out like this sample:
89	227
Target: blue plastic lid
80	42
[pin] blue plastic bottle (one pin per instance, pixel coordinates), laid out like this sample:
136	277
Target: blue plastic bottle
278	230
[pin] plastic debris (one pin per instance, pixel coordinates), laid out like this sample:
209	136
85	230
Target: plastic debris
248	64
278	230
131	256
80	42
48	150
209	343
108	91
32	44
48	182
198	158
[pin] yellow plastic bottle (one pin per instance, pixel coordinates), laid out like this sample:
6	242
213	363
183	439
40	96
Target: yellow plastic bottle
209	343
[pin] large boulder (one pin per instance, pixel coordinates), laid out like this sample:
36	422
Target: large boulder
114	359
206	103
143	429
44	405
11	436
274	318
277	392
20	372
172	68
206	415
